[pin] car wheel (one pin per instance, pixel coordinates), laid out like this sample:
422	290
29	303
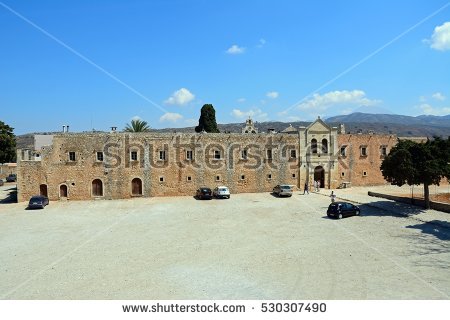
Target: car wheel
229	197
340	216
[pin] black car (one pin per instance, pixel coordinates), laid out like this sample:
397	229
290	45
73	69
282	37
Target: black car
204	193
340	210
38	202
11	178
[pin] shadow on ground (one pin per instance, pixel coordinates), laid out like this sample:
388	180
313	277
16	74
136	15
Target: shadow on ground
389	208
439	229
11	197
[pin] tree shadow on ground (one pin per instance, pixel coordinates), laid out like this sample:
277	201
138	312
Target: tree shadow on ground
439	229
11	197
389	208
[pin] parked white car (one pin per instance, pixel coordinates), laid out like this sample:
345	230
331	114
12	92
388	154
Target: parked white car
221	192
283	190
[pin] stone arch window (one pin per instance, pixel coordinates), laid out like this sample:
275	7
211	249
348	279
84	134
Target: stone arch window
63	191
324	146
313	146
136	187
97	188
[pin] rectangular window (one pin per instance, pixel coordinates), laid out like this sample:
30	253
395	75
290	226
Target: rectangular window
364	173
242	177
293	153
269	176
217	178
217	154
133	155
342	174
343	151
363	151
189	155
161	179
383	150
72	156
99	156
244	154
189	178
162	155
269	153
293	175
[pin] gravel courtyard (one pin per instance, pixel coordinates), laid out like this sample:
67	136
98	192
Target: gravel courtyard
253	246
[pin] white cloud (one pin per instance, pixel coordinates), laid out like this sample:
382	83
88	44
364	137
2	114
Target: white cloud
191	122
440	40
180	97
262	42
235	49
272	94
438	96
170	117
241	100
135	118
427	109
255	114
319	103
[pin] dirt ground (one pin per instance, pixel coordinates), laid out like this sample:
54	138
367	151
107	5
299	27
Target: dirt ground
253	246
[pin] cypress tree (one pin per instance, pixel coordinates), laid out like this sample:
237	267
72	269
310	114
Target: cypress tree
207	120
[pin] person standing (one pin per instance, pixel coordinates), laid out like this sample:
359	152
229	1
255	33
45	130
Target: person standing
332	196
305	190
315	186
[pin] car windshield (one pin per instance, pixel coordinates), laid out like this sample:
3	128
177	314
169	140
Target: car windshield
205	190
36	199
285	187
223	189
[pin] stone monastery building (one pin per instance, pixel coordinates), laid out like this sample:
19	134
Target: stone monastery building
119	165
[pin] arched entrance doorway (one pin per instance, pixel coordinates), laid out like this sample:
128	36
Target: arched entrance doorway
63	191
97	188
319	175
136	187
43	190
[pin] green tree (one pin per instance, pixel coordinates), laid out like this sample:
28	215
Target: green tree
418	163
7	143
207	120
137	126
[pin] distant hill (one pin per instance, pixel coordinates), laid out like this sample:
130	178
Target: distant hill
422	120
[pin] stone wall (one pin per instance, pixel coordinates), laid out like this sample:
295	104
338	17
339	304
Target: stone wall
359	169
174	175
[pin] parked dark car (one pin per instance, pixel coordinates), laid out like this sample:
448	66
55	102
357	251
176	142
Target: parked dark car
1	182
204	193
11	178
38	202
340	210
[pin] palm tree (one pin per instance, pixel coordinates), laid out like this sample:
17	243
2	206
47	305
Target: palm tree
137	126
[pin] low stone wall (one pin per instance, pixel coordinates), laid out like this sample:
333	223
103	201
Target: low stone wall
440	206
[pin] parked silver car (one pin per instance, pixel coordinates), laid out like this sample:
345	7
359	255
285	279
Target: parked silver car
221	192
283	190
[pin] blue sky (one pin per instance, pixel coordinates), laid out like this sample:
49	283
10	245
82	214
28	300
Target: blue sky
96	64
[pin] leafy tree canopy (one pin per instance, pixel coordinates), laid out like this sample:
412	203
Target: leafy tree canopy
207	120
7	143
418	163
